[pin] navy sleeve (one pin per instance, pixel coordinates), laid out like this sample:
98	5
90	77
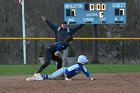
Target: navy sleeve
59	47
84	70
73	30
52	26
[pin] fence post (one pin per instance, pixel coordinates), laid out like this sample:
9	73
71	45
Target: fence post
95	45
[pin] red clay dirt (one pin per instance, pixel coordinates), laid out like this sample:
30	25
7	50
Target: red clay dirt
104	83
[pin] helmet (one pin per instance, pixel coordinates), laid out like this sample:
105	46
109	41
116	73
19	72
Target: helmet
69	38
82	59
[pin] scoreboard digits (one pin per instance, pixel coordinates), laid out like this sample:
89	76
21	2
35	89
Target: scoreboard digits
95	13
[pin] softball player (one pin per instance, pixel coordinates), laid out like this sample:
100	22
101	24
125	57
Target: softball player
61	32
68	72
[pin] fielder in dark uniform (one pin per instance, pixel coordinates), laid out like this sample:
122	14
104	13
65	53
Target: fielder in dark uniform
53	52
61	33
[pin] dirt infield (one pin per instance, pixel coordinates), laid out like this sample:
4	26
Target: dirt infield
104	83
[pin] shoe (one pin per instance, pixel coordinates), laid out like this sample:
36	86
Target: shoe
35	77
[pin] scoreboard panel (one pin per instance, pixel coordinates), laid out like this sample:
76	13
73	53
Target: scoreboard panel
95	13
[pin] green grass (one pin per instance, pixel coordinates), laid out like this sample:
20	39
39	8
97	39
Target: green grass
23	69
92	68
113	68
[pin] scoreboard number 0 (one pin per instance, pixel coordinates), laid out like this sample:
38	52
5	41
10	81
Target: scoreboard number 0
97	7
100	6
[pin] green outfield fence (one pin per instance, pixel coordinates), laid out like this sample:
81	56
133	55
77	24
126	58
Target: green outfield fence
81	39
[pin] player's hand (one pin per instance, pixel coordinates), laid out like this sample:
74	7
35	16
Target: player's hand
68	79
92	78
58	54
43	18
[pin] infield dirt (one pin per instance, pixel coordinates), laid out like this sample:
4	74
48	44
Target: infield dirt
104	83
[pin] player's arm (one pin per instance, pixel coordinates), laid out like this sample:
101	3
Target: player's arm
58	54
66	75
58	51
70	71
84	70
51	25
73	30
66	78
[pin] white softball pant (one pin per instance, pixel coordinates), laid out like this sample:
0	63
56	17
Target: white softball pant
57	73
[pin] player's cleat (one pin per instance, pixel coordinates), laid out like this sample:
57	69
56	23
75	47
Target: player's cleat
35	77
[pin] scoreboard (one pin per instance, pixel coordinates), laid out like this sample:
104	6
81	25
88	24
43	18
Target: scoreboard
95	13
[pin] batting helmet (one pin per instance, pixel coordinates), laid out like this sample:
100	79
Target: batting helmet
82	59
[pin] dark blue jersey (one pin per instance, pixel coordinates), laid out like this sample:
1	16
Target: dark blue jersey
59	46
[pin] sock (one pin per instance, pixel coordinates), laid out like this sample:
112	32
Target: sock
45	76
